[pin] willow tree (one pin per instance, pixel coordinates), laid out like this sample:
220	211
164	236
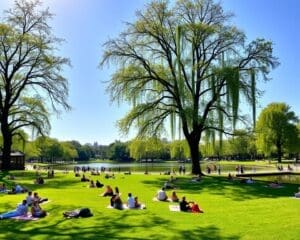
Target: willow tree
185	63
30	72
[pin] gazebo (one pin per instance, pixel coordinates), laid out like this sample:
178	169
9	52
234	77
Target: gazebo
17	160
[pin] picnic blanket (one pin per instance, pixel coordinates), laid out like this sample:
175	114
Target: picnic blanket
125	207
156	200
174	208
29	217
297	198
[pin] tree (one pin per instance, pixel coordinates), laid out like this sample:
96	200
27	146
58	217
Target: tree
69	151
241	145
179	150
137	149
49	149
30	72
276	129
118	151
185	63
148	148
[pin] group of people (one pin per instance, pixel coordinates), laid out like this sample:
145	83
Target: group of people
3	188
184	205
189	206
96	184
92	184
215	168
117	203
32	201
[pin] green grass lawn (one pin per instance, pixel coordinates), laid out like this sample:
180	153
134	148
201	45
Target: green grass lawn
232	210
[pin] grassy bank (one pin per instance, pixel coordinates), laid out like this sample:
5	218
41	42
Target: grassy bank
232	210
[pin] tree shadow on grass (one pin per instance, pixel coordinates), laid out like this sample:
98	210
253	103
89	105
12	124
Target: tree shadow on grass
27	178
120	226
230	189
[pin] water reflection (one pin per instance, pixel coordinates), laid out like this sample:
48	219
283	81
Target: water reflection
172	166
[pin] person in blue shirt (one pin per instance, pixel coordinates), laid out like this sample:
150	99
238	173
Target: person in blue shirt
21	210
130	201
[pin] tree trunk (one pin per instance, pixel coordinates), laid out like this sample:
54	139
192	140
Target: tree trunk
7	142
194	150
279	152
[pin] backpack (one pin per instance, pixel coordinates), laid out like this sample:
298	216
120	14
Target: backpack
85	212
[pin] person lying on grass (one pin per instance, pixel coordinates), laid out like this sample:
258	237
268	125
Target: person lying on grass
18	189
21	210
190	206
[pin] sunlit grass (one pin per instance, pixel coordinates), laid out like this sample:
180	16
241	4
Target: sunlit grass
232	210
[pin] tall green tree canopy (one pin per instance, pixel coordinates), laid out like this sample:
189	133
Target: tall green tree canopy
276	129
30	72
185	63
148	148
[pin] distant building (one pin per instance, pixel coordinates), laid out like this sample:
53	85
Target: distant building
17	160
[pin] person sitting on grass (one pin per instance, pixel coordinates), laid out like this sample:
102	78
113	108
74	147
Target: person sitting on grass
92	184
174	197
172	179
99	184
275	184
39	180
250	180
297	195
37	211
114	196
168	185
29	198
3	188
130	201
184	205
161	195
136	203
84	179
38	199
195	208
21	210
229	177
108	192
116	201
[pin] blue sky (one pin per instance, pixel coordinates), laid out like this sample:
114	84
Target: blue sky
87	24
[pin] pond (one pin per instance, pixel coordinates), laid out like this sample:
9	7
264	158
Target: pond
170	166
